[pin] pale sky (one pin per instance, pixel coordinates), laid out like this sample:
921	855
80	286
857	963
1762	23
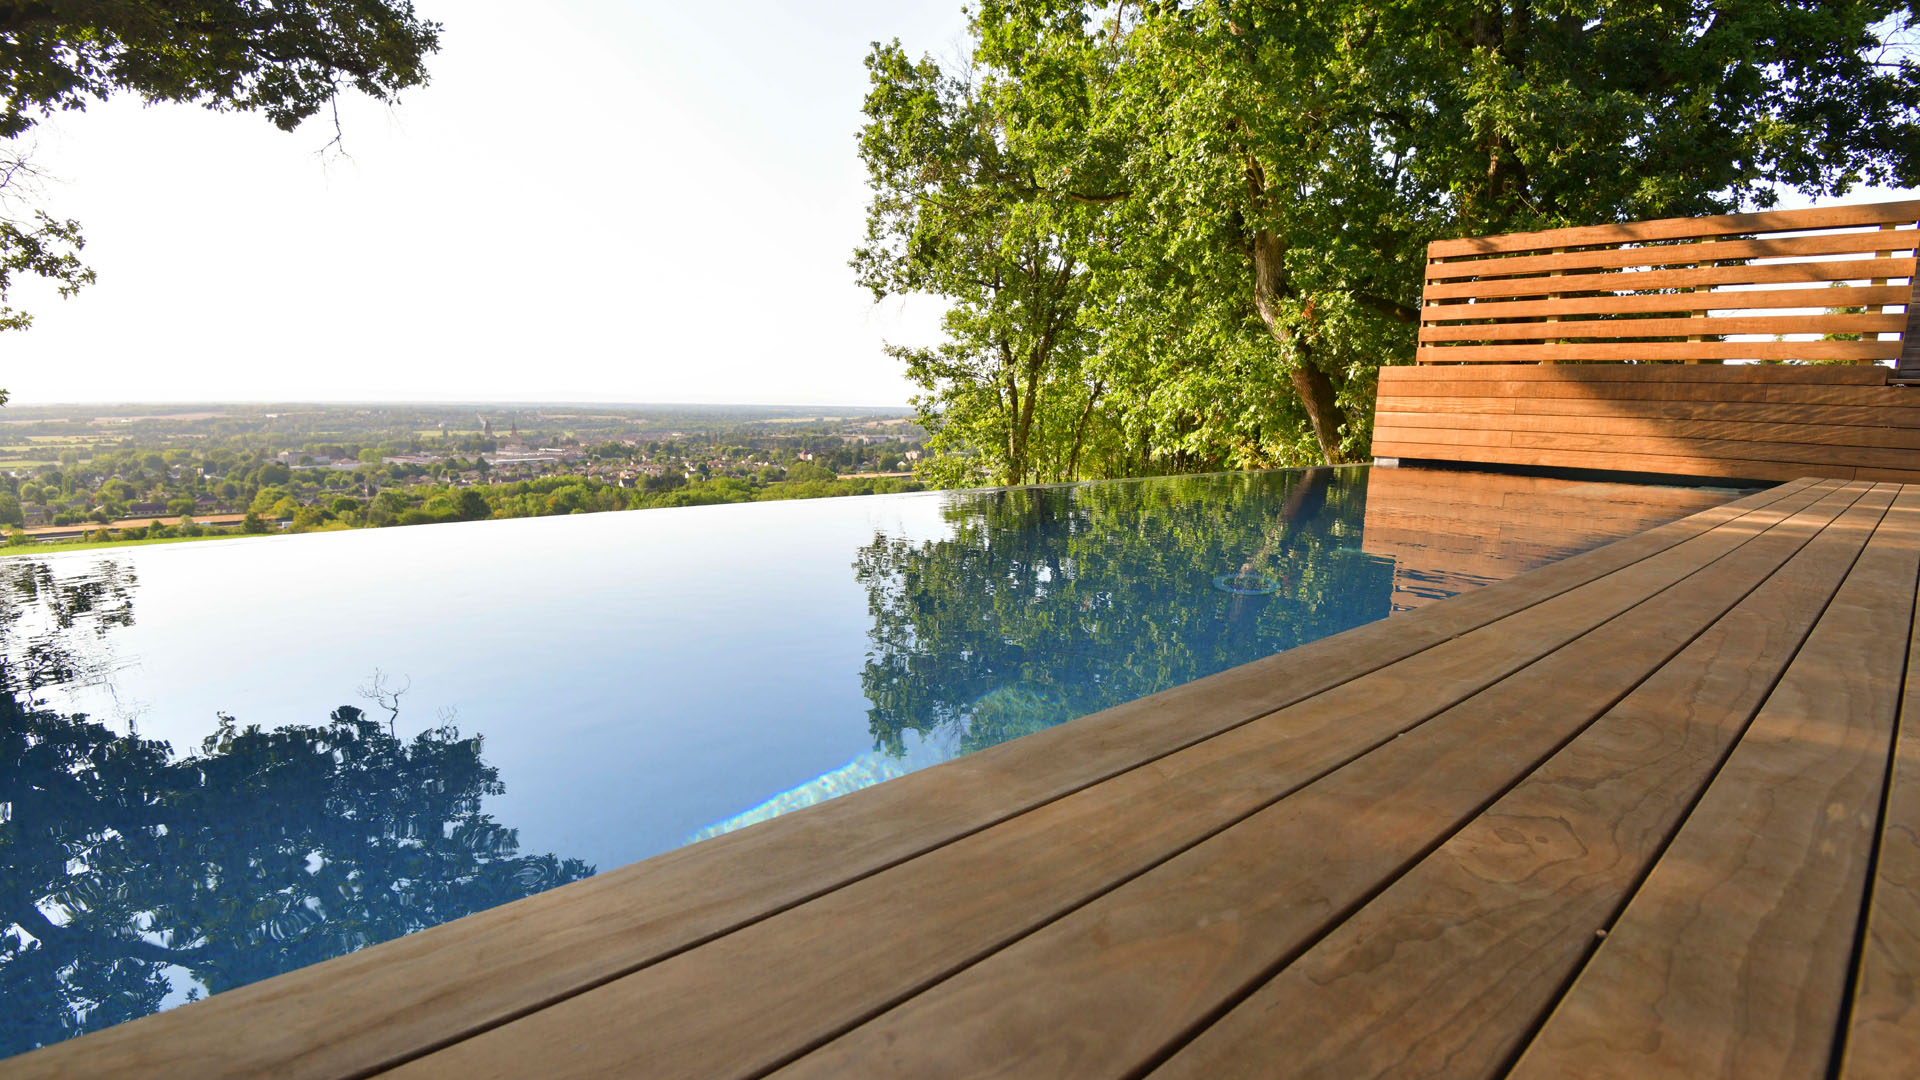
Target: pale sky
618	202
623	202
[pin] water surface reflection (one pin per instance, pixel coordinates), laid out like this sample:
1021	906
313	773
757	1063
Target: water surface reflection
134	875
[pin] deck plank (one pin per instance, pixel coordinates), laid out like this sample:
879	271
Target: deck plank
1448	971
1883	1031
1733	957
365	1011
1115	983
746	1001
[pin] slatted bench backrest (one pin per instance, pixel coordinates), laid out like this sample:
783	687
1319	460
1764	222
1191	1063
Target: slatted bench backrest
1681	289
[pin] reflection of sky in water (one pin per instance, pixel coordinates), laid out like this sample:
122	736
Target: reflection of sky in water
635	676
645	679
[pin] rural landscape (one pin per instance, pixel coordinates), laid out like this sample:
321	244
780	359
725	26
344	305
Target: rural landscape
74	477
1187	539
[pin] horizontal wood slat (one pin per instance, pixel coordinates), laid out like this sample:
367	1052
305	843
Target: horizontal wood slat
1748	422
1656	255
1533	330
1820	217
1666	464
1803	453
1906	438
1645	292
1694	278
1660	303
1444	384
1662	350
1769	374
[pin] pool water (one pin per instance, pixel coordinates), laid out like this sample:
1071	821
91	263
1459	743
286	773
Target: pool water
224	760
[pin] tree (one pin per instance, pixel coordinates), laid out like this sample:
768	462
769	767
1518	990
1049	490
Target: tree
288	59
126	862
1266	175
471	505
263	851
986	190
1101	594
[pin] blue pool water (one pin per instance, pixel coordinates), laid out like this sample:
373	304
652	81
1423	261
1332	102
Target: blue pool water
224	760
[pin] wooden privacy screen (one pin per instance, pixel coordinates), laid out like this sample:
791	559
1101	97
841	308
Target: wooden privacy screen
1559	348
1676	289
1755	422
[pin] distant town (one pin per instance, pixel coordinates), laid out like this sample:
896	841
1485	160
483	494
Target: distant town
128	473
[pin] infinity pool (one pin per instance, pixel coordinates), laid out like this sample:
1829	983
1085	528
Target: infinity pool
224	760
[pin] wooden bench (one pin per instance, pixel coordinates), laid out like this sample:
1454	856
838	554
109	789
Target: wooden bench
1631	347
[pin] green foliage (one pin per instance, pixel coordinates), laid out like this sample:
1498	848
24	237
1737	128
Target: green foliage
1011	623
264	851
125	860
986	191
288	59
1236	197
44	247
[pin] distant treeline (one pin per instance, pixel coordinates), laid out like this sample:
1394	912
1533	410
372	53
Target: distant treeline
542	497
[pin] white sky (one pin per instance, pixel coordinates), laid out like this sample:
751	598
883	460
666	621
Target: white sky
605	202
620	202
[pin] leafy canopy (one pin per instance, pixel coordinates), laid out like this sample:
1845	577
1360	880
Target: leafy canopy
1255	183
287	59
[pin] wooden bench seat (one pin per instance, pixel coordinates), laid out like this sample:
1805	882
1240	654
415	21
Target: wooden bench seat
1749	346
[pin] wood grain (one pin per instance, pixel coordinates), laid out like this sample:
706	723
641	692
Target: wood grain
1663	351
1733	958
1629	427
1502	381
1862	416
1638	327
1909	364
1883	1028
1112	984
1653	303
1691	278
1903	212
1408	450
1706	425
1705	251
1578	444
1641	374
1448	970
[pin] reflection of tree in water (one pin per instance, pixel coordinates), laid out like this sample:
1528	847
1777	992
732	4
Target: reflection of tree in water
125	869
1051	603
53	630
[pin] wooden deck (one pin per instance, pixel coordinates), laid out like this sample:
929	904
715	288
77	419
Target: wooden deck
1650	811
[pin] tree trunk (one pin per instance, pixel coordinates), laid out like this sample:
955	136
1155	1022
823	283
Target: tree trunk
1312	384
1080	432
1016	442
